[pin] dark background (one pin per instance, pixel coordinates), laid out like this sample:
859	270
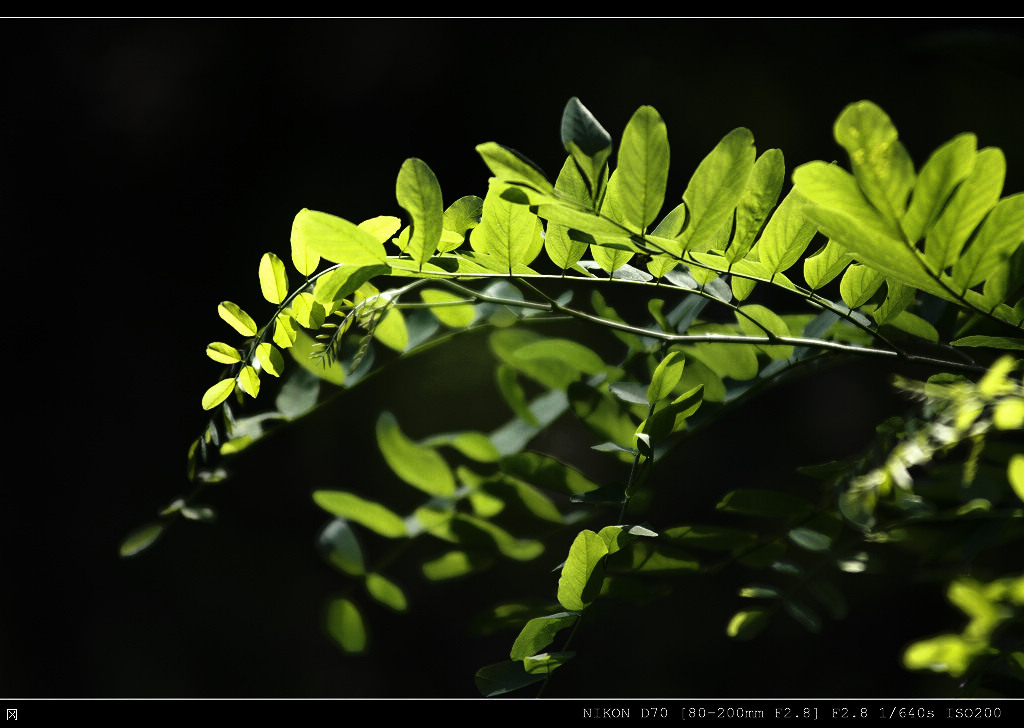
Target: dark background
147	165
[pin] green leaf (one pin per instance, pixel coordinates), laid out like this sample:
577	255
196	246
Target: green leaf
338	284
223	353
463	215
881	165
666	376
757	202
386	592
450	308
382	227
588	143
336	239
576	585
141	539
270	359
218	393
352	507
478	531
504	677
303	353
238	319
993	342
307	311
672	417
419	466
759	592
249	381
474	445
540	632
840	211
511	167
391	331
968	206
757	320
641	176
285	332
810	539
563	250
946	168
859	284
1015	474
716	187
345	624
999	236
419	194
822	267
786	236
509	232
340	546
273	278
546	472
545	663
747	624
454	564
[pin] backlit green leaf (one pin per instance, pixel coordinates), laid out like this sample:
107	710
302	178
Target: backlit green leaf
238	319
141	539
747	624
370	514
540	632
588	143
786	235
454	564
575	588
249	381
336	239
340	546
419	466
757	202
218	393
822	267
968	206
273	278
419	194
666	376
345	624
509	232
450	308
223	353
881	165
859	284
999	236
716	187
270	359
947	167
640	178
509	166
386	592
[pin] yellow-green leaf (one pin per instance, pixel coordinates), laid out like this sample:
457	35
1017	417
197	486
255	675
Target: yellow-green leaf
223	353
345	625
270	359
238	319
249	381
218	393
273	278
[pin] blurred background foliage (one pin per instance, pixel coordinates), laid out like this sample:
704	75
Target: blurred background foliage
148	163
